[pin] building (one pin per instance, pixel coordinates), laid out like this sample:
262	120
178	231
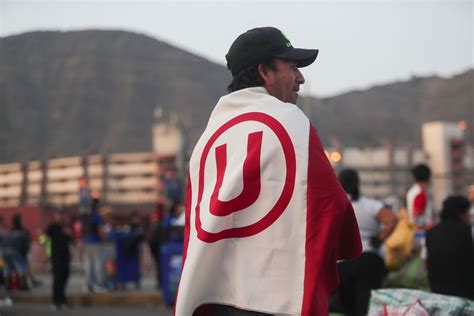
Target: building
444	145
133	180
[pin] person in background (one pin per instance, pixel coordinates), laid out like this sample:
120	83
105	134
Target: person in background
450	250
92	226
128	242
172	188
365	273
3	235
16	247
107	249
45	243
60	236
157	236
78	255
419	204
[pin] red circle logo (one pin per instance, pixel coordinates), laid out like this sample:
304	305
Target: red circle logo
254	141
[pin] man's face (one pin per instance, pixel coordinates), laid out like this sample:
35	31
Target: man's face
284	82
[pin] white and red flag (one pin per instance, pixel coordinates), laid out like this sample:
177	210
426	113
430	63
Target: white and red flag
266	218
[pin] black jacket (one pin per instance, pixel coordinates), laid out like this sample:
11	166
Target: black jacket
451	259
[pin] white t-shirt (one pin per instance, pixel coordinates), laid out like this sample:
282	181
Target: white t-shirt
366	210
419	199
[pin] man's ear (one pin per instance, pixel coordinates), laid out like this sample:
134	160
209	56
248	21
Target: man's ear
264	74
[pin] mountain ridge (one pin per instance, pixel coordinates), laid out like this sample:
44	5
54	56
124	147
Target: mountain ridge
85	92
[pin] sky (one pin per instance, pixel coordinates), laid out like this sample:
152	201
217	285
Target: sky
361	43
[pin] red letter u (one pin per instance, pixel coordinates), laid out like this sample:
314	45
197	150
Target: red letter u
251	178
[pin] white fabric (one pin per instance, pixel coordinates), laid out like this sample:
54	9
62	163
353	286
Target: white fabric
471	214
427	217
272	259
366	210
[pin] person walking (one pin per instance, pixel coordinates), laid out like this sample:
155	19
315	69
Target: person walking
60	236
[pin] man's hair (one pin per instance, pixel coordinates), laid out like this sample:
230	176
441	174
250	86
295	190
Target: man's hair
453	207
350	182
421	173
249	77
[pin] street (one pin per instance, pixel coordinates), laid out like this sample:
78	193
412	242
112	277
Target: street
25	309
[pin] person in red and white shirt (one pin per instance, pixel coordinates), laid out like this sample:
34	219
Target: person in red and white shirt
419	205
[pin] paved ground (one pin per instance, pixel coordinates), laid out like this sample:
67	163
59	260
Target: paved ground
76	284
145	296
28	309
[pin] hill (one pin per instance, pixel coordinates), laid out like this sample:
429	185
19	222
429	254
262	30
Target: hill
84	92
67	93
394	112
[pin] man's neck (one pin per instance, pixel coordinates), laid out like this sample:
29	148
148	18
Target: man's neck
422	184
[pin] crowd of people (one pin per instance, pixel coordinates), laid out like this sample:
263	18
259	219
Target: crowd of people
15	243
284	236
109	245
106	243
445	244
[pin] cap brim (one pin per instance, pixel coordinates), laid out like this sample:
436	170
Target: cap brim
304	57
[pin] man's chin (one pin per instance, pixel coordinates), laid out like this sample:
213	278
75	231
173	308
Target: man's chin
294	98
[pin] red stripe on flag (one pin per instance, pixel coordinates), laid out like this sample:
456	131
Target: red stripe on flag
331	230
187	214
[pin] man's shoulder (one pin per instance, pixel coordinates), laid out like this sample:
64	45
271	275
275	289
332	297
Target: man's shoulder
256	99
415	190
370	202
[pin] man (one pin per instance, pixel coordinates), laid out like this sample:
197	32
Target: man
157	234
418	200
93	234
16	247
60	236
451	250
266	218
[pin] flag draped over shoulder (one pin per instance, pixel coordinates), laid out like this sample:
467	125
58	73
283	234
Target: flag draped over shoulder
266	218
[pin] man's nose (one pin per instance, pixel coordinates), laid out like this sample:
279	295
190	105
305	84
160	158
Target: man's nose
299	77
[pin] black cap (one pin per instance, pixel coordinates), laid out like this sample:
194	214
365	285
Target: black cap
261	44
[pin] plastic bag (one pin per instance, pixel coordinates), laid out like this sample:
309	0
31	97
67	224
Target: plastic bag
399	244
394	302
